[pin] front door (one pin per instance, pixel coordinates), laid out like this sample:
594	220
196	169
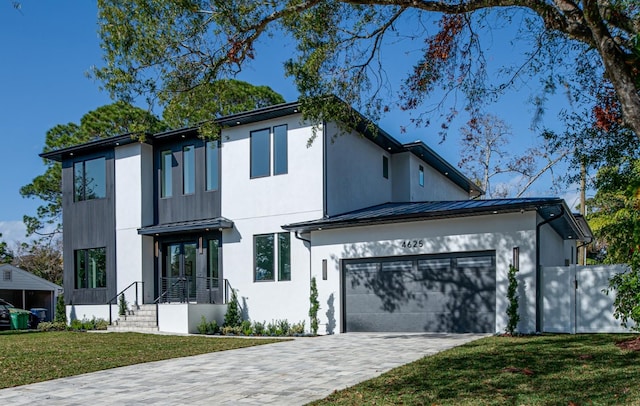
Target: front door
178	272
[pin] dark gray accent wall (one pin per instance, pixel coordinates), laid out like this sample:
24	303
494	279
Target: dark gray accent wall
202	204
88	224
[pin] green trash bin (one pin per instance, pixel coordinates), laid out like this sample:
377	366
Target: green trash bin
19	319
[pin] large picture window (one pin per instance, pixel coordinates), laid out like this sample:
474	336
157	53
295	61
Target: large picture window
166	176
90	268
211	157
89	179
188	170
267	248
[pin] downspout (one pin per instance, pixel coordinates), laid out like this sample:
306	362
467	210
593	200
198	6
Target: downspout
299	237
539	308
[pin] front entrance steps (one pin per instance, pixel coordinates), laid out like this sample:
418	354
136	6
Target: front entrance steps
141	320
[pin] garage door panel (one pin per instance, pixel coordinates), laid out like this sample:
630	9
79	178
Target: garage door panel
452	294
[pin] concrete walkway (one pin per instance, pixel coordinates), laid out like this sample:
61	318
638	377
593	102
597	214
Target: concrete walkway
288	373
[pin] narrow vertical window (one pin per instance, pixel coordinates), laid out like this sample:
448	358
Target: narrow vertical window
212	268
166	167
280	150
263	249
95	179
284	257
421	175
78	181
188	170
260	155
211	156
385	167
80	270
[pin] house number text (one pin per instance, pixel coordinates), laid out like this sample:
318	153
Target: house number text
412	244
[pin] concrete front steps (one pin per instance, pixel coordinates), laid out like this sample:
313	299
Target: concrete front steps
141	320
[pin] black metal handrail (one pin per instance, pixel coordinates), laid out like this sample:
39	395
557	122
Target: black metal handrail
110	302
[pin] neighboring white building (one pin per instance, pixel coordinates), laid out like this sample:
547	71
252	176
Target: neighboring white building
396	237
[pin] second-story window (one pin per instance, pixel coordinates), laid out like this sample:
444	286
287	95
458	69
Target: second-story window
280	150
385	167
166	167
188	170
211	157
89	179
421	175
261	147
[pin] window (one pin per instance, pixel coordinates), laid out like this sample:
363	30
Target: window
188	170
6	275
260	159
421	175
89	179
280	150
90	267
211	157
385	167
212	267
261	152
284	257
166	167
265	253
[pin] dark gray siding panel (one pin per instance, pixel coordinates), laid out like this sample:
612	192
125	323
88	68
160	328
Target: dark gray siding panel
88	224
455	294
200	205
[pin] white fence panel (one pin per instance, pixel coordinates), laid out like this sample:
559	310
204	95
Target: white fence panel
558	299
595	308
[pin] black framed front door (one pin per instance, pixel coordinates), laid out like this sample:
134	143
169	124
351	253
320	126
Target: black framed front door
178	277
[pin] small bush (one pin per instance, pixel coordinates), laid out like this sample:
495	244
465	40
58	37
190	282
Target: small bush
283	327
229	330
297	328
61	311
232	317
213	328
246	327
52	326
314	306
86	324
272	329
203	326
258	328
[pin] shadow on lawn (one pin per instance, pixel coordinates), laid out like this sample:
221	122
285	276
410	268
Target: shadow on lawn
581	369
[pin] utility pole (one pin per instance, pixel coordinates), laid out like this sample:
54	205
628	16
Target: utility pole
582	250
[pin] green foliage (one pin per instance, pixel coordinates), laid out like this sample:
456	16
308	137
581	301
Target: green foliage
314	306
259	328
52	326
213	328
246	327
513	316
6	256
113	119
61	312
233	316
42	257
297	328
88	324
122	305
203	326
626	286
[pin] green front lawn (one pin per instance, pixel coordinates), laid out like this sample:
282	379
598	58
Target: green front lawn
34	357
542	370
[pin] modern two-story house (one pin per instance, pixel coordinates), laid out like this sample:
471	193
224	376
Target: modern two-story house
396	237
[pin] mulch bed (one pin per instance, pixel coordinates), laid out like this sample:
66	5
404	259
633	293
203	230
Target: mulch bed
630	345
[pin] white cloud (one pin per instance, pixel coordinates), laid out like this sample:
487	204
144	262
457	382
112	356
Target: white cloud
13	232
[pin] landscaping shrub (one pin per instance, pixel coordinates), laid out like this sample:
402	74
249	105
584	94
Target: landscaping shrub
513	316
233	318
52	326
61	311
314	306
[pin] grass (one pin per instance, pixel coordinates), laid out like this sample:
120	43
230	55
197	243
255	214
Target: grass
541	370
34	357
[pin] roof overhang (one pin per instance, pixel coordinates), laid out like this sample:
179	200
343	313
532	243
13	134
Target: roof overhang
92	146
219	223
553	211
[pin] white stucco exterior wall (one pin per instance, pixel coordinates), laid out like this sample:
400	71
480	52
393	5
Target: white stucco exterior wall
262	206
354	172
499	233
134	208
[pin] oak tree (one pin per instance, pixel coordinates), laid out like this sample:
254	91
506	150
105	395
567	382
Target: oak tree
159	49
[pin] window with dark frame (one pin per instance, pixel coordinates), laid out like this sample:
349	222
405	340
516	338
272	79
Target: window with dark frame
280	150
271	252
166	175
212	162
421	175
260	153
90	179
188	170
90	268
6	275
385	167
213	264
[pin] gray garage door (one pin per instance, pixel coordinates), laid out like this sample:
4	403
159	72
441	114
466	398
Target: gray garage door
455	293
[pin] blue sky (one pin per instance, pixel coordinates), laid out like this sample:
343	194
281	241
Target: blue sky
48	47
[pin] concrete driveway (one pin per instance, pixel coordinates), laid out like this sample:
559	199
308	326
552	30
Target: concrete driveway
288	373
